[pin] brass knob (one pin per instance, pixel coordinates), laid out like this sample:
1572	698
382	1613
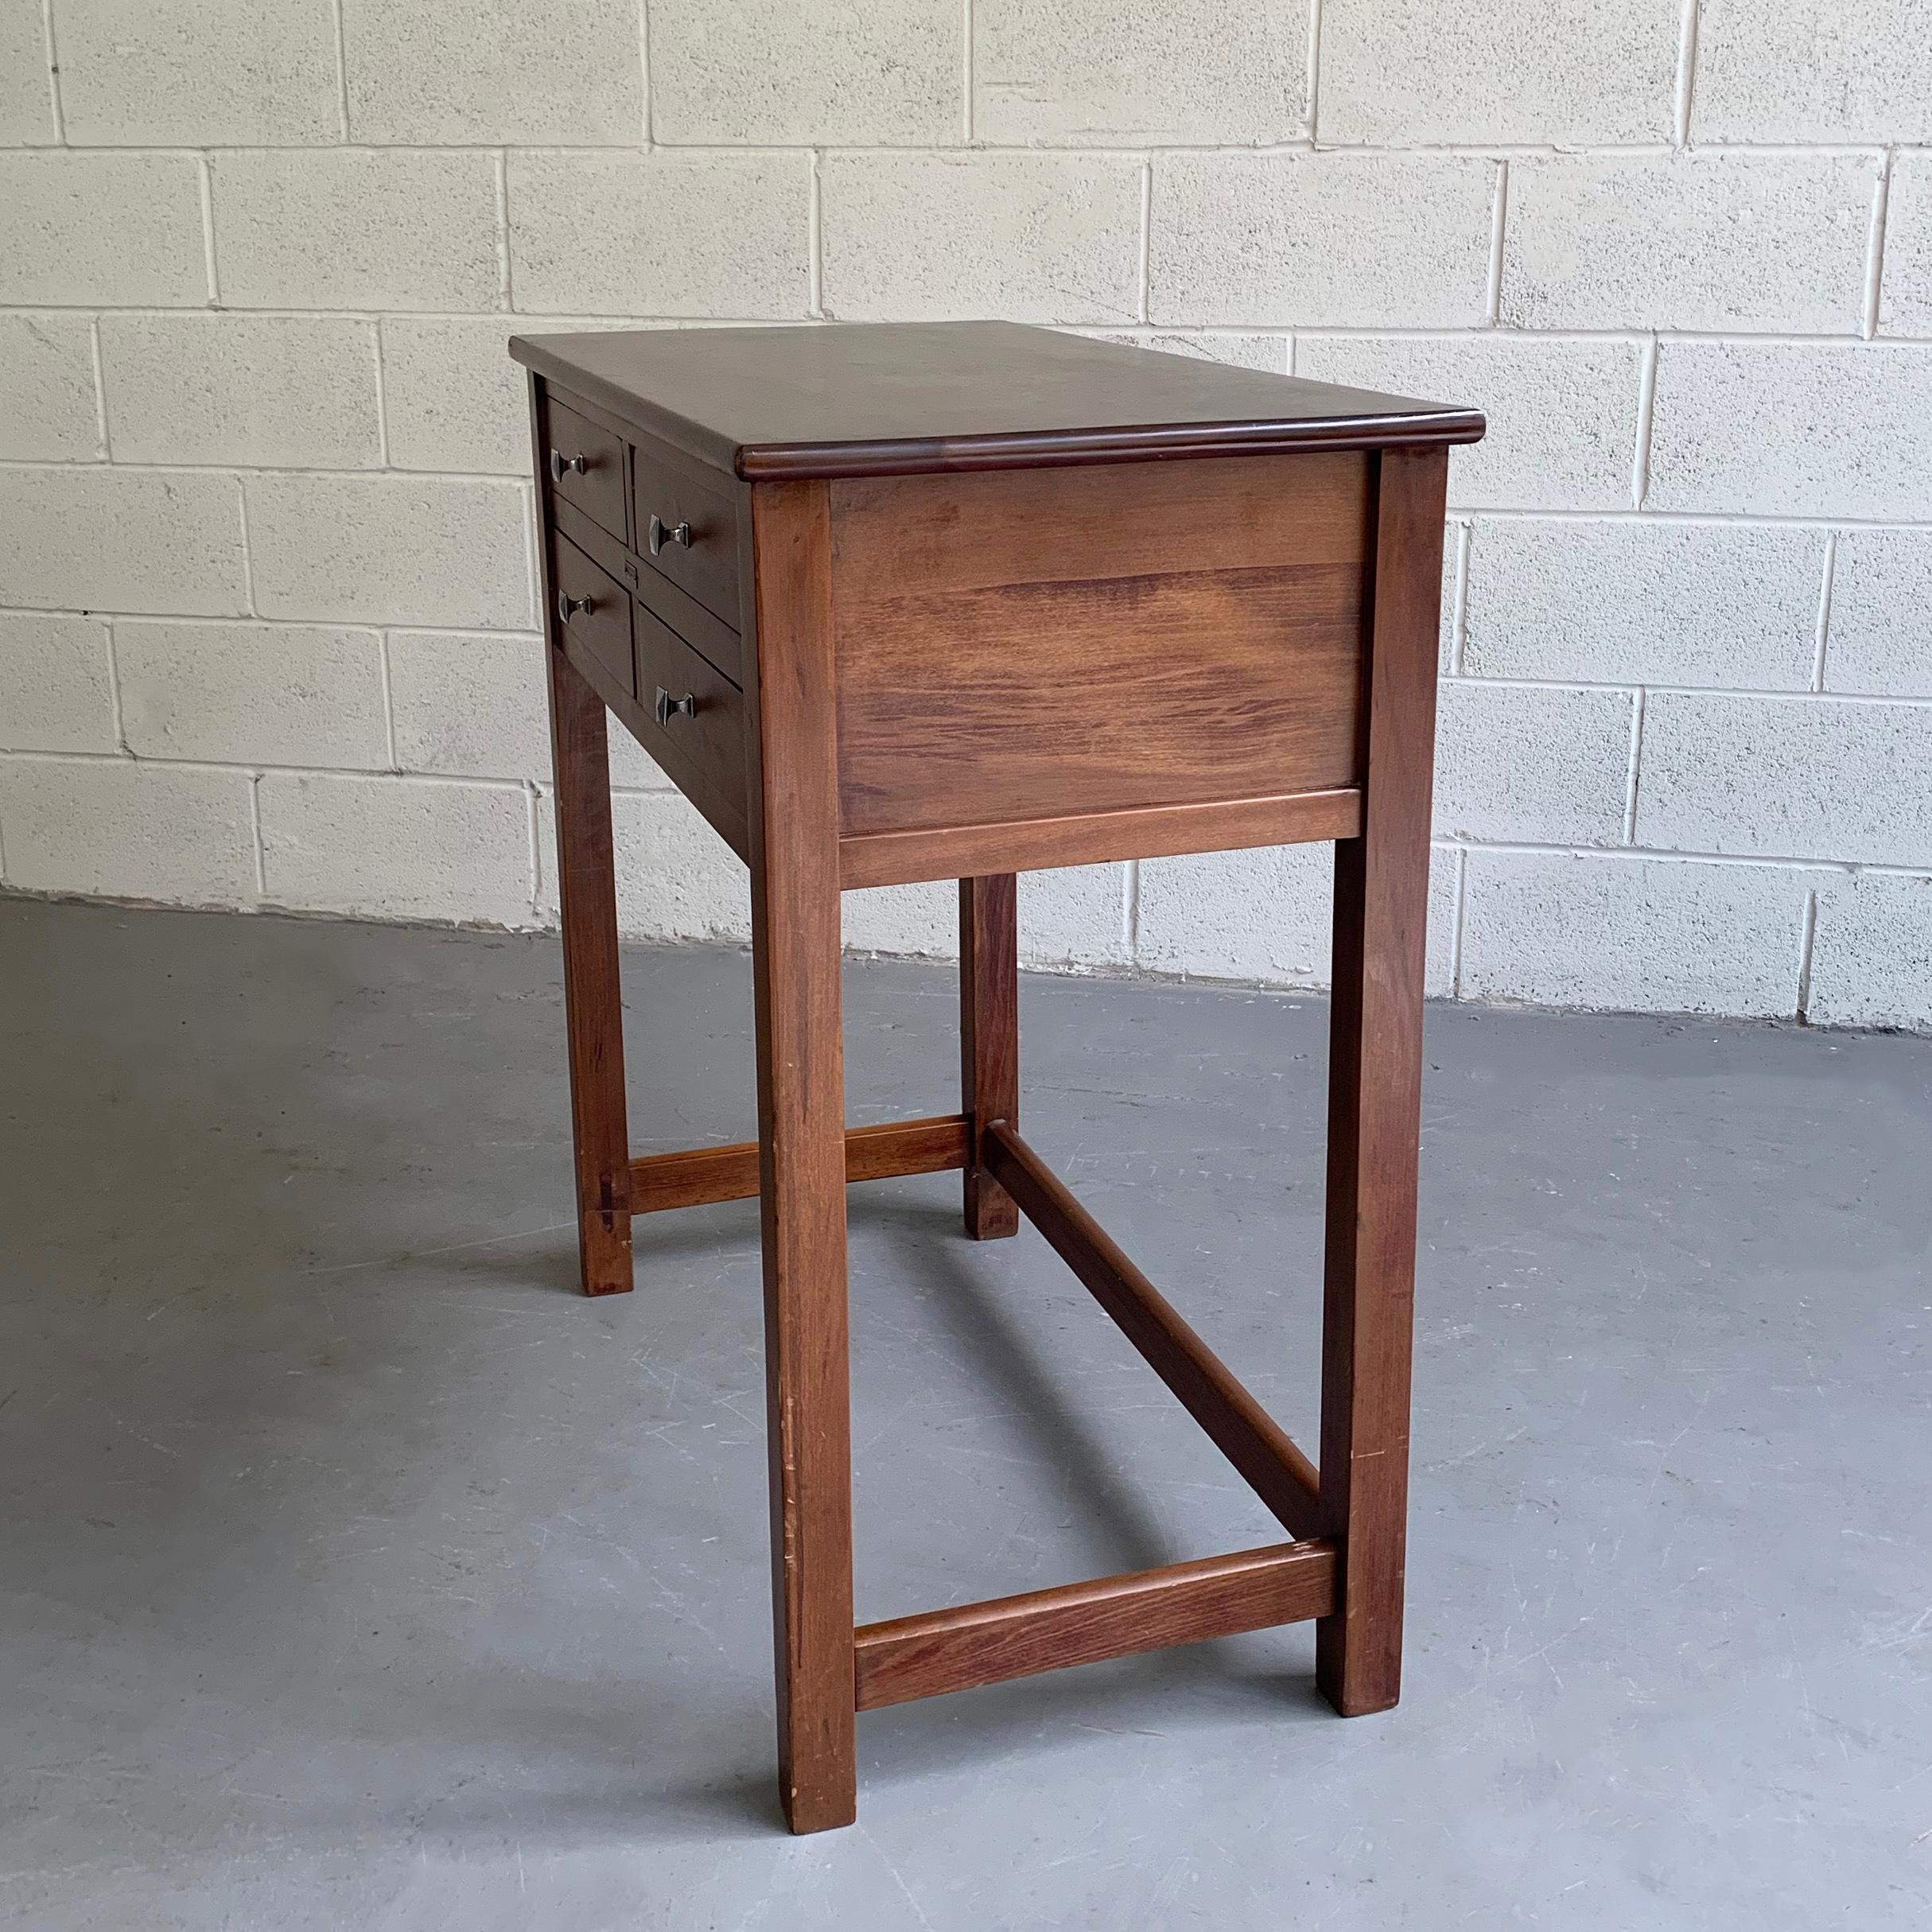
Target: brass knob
566	603
560	463
661	533
667	707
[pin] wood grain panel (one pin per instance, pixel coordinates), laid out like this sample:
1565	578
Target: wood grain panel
697	1177
1008	1637
1025	646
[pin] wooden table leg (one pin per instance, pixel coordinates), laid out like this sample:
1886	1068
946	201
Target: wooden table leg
593	998
1374	1103
802	1134
989	1039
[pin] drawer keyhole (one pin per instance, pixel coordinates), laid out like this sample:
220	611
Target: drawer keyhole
567	605
661	533
560	464
667	707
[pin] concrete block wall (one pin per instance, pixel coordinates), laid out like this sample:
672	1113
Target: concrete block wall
266	598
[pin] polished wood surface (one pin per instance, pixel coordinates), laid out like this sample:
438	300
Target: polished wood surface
584	461
1224	600
989	1040
953	602
1090	838
696	1176
801	1131
943	1650
893	398
1375	1100
1237	1425
587	912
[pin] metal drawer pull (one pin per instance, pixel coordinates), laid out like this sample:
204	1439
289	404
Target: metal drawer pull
566	603
668	707
661	533
560	463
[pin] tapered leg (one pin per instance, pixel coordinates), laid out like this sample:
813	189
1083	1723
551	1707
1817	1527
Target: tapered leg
802	1126
593	1000
989	1039
1374	1102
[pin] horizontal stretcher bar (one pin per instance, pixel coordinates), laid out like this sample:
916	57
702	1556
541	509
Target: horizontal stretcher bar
943	1650
1244	1432
701	1175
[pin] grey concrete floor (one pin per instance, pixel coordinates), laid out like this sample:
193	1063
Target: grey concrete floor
360	1574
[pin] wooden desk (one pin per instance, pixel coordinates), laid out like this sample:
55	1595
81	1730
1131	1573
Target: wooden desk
958	601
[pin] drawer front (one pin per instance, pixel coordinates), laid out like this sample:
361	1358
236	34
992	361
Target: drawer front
1029	644
703	747
586	466
593	611
697	532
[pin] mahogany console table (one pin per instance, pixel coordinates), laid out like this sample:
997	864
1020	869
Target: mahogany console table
957	601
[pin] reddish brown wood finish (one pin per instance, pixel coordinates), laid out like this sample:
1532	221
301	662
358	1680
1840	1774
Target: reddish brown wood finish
585	462
1238	1425
944	1651
1091	838
1014	633
697	1177
593	994
1375	1101
896	399
989	1039
801	1132
1224	601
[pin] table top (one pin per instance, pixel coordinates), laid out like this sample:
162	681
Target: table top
861	399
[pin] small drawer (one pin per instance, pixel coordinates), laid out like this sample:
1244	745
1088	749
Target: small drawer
687	532
701	748
586	467
593	611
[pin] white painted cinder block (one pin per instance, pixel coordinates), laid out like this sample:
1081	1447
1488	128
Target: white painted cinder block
352	228
1881	614
48	410
431	71
1262	914
1814	70
1818	777
396	848
56	691
1532	763
918	921
767	71
676	878
1074	916
26	75
1793	428
662	234
1267	915
1872	955
298	390
93	538
1181	71
474	705
445	551
116	829
1341	239
1032	237
1638	934
1619	601
452	398
1563	71
251	693
1905	303
1689	241
1562	415
198	73
94	227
